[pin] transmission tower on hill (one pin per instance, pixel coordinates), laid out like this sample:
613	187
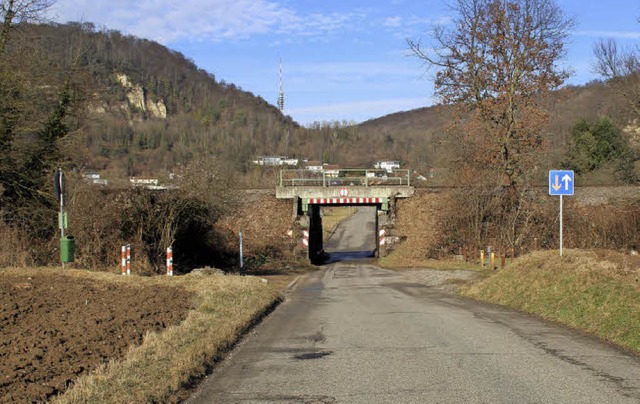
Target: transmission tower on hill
281	94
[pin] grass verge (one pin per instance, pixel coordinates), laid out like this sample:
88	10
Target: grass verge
166	363
599	295
400	259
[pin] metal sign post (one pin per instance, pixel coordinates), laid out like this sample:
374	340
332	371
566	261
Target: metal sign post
58	188
561	184
241	258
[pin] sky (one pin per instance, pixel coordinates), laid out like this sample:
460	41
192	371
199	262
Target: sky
343	60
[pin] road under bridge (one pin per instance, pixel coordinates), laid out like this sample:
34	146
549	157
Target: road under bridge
310	191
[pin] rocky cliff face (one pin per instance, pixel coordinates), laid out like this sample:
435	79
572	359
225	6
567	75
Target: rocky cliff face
139	100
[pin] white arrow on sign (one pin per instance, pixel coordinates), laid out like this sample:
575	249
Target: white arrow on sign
566	179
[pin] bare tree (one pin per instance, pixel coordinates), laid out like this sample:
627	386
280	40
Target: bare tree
17	11
621	69
497	62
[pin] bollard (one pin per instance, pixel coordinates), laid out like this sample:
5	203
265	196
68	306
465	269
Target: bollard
493	260
128	259
482	258
503	259
169	261
123	260
305	238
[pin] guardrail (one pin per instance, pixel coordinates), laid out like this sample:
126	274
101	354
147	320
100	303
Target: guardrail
344	177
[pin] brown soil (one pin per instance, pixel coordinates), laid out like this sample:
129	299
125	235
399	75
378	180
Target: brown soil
55	328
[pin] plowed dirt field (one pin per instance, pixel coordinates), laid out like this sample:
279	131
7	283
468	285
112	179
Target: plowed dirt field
54	328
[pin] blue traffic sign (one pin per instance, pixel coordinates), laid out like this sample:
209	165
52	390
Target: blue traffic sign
561	182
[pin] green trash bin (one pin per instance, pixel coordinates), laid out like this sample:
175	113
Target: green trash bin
67	248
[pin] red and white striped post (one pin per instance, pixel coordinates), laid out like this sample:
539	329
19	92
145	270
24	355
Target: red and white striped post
381	243
169	261
305	238
123	260
128	259
381	238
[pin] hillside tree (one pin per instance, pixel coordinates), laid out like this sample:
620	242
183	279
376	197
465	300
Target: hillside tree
620	68
20	11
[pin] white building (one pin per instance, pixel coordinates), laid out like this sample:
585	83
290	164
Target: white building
314	166
276	161
388	165
143	182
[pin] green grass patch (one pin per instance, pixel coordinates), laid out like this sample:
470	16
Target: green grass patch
598	295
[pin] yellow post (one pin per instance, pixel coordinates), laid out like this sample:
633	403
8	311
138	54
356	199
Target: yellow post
493	260
482	258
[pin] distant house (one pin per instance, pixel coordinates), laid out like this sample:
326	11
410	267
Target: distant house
143	182
94	178
276	161
388	165
314	165
331	170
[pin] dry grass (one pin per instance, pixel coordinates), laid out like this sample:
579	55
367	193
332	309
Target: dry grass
587	290
13	248
160	368
399	260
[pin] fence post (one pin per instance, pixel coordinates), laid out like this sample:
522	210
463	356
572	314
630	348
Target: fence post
123	260
128	259
169	261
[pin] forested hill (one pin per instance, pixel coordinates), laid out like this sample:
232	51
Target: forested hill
137	108
149	108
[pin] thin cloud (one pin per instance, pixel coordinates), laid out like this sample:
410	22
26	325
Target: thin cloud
168	21
413	25
610	34
362	69
357	111
393	22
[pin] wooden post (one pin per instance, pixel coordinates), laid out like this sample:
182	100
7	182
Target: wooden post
493	260
502	261
481	258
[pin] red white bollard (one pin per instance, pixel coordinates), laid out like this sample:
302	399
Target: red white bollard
381	238
305	238
128	259
169	261
123	260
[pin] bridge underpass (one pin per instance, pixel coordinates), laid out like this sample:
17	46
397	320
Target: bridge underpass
374	191
354	237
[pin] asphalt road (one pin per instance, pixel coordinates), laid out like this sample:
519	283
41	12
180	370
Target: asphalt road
354	333
355	235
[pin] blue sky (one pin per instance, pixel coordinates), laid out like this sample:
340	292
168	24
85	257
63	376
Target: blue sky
344	60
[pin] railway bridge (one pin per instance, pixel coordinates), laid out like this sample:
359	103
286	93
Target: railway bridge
311	190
